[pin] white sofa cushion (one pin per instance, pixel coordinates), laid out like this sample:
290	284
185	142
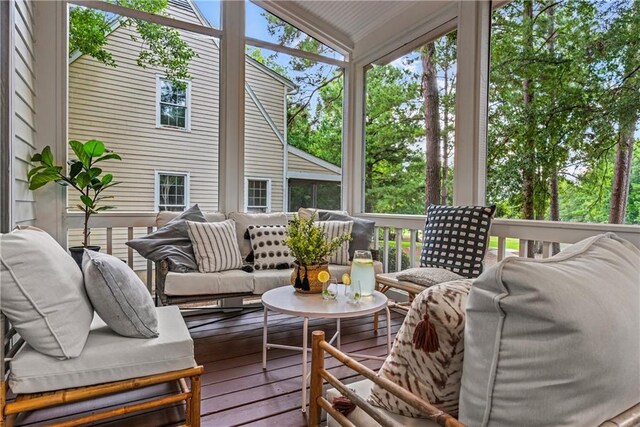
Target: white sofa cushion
119	296
265	280
244	220
361	419
554	342
43	293
107	357
224	282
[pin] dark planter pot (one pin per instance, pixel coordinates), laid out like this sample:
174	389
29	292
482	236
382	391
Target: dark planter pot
77	252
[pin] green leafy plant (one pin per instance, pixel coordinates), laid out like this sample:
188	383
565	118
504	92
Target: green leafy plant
82	175
308	242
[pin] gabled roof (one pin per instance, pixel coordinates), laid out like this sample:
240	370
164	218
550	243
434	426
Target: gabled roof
313	159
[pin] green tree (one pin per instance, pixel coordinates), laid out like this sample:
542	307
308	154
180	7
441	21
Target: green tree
556	94
160	46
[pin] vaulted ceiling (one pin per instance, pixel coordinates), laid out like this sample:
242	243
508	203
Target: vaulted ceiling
353	22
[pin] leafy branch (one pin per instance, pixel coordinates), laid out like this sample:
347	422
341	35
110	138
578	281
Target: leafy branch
308	242
83	175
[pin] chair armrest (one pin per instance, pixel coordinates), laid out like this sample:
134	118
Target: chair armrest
629	418
318	402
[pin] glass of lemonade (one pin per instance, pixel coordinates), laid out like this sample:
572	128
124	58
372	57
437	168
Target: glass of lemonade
330	289
362	272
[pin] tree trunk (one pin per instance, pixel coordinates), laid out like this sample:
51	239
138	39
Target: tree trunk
445	140
622	169
554	203
554	206
432	124
528	169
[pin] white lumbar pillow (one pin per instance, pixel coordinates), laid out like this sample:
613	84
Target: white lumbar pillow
42	293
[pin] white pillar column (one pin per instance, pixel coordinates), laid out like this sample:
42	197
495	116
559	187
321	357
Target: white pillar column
471	103
232	71
51	108
353	139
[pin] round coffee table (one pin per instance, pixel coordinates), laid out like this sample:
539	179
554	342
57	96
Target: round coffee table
286	300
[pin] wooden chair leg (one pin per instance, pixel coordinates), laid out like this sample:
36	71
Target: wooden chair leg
195	401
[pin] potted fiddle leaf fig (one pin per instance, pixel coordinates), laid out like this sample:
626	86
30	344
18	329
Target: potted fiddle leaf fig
83	175
308	244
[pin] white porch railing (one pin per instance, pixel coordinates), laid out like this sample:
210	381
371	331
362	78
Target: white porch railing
111	230
405	231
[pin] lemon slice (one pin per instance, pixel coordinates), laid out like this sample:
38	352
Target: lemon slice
324	276
346	279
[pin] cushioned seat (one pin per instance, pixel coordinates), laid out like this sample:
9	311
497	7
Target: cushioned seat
265	280
361	419
224	282
107	357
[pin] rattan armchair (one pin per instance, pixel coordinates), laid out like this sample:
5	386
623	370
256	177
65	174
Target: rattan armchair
22	403
629	418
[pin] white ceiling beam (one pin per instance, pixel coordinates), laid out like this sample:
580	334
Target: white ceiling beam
311	24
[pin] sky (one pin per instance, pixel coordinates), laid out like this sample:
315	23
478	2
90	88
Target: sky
255	23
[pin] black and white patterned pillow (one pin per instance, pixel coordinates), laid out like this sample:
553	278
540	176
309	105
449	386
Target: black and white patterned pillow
269	249
456	238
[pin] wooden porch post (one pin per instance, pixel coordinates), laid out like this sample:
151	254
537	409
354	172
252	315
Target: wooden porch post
317	365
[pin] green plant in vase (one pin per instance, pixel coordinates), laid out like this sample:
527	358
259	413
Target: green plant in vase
83	175
309	245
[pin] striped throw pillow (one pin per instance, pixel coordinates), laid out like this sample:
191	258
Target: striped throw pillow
335	229
215	245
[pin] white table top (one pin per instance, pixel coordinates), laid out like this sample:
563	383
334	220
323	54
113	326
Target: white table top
287	301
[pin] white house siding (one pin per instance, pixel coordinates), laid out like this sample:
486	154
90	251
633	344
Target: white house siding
118	106
299	164
24	108
264	151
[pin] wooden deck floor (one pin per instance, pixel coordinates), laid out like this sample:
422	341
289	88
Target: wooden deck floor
235	389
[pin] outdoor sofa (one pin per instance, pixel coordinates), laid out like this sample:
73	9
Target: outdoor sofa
173	287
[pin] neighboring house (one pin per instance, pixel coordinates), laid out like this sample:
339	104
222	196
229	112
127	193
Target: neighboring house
168	138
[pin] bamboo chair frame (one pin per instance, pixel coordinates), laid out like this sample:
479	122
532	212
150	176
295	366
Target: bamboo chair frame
318	402
11	344
628	418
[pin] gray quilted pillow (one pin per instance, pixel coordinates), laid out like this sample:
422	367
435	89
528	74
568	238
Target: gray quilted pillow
427	276
119	296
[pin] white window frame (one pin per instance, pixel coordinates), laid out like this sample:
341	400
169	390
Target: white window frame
187	128
156	187
246	192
